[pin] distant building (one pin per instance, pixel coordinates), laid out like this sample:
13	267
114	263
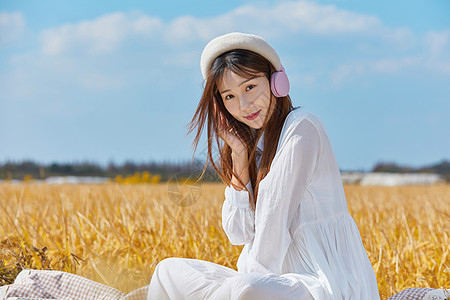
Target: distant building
352	177
75	179
390	179
361	178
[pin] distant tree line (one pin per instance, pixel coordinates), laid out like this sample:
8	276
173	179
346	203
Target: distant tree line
167	170
441	168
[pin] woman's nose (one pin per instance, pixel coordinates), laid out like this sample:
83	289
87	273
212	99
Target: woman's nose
245	102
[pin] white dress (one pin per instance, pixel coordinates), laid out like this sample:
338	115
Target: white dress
300	243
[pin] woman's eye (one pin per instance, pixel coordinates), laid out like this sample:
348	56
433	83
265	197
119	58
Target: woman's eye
228	97
249	87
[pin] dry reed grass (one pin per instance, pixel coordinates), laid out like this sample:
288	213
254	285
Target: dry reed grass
116	234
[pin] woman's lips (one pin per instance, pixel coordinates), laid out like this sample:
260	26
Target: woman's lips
253	116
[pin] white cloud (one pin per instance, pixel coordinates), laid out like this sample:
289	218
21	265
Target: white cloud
102	35
345	71
401	38
438	46
437	42
436	57
372	46
273	21
105	33
392	65
182	29
12	27
311	17
443	67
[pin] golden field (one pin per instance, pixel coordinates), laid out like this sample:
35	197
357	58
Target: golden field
116	234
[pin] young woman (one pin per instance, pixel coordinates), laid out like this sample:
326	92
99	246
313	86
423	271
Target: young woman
284	198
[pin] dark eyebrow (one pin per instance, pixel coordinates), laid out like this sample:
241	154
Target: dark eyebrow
243	82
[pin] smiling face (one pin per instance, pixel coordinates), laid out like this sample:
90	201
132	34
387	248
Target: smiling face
247	100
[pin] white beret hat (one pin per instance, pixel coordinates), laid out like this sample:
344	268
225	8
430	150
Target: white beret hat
237	40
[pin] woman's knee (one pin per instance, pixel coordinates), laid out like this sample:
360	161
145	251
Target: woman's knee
168	264
245	287
165	278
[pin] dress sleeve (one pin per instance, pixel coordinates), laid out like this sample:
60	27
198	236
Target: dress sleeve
238	218
279	199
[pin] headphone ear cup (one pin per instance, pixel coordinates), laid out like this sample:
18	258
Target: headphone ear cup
279	84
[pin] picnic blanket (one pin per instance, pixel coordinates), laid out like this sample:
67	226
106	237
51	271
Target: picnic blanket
49	284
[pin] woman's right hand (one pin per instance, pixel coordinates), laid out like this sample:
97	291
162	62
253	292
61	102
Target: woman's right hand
228	134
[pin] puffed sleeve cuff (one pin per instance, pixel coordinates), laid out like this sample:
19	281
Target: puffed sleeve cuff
238	218
239	198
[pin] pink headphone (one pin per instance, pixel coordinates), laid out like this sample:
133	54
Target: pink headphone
279	83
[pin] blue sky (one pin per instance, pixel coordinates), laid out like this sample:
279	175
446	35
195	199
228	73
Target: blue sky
120	80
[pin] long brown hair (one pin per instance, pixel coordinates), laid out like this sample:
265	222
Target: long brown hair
247	64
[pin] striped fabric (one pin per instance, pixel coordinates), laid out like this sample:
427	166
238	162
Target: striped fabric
411	294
